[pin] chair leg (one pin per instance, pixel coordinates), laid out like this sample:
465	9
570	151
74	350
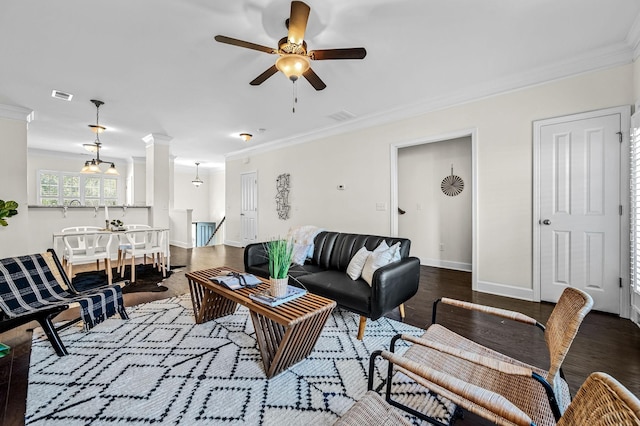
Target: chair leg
123	264
97	264
133	269
361	327
401	310
119	261
70	270
107	267
52	335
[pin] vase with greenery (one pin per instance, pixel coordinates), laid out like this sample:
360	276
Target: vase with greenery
280	253
7	209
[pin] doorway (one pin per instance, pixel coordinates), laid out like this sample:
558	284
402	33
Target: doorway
249	208
436	250
581	207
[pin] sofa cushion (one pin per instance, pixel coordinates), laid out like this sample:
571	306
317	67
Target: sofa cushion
336	285
382	255
354	270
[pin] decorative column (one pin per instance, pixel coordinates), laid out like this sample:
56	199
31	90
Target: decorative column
14	122
158	178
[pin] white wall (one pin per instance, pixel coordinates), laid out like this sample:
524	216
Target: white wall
361	161
439	226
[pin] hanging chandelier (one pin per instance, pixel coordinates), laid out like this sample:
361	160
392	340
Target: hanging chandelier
93	166
197	181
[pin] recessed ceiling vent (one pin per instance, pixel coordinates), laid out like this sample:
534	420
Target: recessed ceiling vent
61	95
343	115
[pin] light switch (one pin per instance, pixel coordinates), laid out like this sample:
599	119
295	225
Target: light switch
381	207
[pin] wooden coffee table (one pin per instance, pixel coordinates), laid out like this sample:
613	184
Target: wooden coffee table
286	333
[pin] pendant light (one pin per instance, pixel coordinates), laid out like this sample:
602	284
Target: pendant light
197	181
93	166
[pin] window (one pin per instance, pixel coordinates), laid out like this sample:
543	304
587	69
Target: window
63	189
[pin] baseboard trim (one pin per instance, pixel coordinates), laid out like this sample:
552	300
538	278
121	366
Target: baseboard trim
180	244
446	264
233	243
505	290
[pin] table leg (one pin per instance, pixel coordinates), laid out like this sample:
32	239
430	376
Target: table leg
208	305
281	347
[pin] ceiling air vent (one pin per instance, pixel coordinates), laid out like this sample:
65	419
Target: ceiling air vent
343	115
61	95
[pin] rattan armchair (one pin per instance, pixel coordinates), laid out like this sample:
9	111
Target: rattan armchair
600	401
540	393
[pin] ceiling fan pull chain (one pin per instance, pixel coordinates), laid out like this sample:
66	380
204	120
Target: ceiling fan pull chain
295	96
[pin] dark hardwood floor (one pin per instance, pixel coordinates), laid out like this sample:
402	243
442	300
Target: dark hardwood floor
604	342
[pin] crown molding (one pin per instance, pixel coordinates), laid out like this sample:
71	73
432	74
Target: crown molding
157	138
633	37
608	57
17	113
71	155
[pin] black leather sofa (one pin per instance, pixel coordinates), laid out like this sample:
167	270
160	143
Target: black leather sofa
325	274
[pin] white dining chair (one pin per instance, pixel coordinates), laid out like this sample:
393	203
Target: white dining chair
125	244
146	242
85	247
80	242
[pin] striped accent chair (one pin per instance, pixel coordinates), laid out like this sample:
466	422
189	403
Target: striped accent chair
35	287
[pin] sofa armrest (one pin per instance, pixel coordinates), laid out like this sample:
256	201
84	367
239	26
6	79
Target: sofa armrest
255	254
394	284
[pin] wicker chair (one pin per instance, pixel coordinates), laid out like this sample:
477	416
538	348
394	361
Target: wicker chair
542	394
600	401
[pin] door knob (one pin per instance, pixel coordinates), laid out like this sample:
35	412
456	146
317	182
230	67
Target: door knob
546	222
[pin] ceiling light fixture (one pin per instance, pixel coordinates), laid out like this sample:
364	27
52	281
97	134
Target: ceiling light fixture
245	136
93	166
293	65
197	181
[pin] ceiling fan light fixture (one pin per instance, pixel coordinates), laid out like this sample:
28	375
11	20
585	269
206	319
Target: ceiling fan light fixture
245	136
293	65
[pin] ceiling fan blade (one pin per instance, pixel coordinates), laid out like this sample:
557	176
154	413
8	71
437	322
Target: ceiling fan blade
348	53
313	78
298	21
265	75
242	43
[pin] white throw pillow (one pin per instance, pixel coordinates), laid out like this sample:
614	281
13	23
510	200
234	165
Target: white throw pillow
380	258
299	254
354	270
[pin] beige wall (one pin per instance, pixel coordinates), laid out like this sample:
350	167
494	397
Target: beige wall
361	161
14	241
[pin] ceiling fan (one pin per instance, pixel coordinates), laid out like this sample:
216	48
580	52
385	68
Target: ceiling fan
295	60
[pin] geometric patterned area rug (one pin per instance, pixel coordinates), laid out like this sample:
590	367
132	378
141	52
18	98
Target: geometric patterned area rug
159	367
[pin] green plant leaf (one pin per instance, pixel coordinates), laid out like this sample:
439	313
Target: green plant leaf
280	253
7	209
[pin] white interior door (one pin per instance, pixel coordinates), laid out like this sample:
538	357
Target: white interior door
249	208
580	208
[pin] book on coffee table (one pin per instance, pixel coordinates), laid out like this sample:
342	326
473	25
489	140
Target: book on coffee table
266	298
234	280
